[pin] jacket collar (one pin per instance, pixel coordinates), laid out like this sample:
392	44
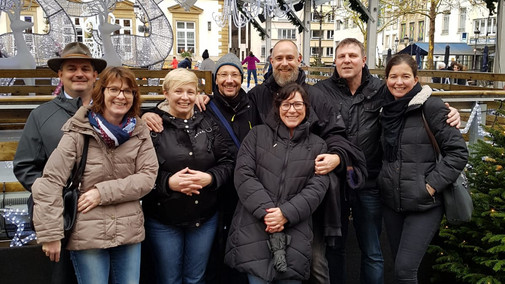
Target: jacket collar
242	100
341	82
420	98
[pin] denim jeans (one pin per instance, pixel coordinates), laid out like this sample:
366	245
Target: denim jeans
253	71
256	280
94	265
409	235
180	254
367	220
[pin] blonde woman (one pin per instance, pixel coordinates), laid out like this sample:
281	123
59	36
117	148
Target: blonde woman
195	161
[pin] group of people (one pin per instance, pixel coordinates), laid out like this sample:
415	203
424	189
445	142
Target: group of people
241	187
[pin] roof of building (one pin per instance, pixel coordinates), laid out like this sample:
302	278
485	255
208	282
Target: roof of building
455	48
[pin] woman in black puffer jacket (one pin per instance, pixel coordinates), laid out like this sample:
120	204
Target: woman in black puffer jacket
411	180
194	162
278	192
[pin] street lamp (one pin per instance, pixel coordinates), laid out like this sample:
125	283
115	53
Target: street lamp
408	40
476	33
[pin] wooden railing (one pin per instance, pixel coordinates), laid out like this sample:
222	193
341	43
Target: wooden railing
150	81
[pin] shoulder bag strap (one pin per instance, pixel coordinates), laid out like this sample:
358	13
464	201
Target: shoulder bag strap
76	178
225	123
431	136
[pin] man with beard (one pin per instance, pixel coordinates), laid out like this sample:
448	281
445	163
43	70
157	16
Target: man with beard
342	156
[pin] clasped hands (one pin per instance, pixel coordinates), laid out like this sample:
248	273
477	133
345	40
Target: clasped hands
189	181
274	220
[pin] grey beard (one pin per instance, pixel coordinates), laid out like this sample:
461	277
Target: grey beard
284	81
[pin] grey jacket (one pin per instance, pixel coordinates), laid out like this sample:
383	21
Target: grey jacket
273	170
41	135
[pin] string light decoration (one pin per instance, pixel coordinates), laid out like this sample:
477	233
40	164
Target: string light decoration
475	114
241	12
17	217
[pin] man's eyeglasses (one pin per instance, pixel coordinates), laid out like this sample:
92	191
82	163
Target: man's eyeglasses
226	75
113	91
296	105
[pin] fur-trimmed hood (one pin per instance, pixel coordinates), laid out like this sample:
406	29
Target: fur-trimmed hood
421	97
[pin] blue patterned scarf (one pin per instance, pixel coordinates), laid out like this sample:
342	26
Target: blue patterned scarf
111	134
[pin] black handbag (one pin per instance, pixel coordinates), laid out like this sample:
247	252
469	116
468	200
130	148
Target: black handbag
458	202
71	191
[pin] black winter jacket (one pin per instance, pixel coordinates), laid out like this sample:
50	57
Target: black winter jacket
41	135
275	171
196	143
239	116
403	182
360	113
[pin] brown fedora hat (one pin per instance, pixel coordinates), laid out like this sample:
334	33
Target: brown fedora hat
76	50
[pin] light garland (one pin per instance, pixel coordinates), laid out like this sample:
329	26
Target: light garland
476	111
13	216
242	12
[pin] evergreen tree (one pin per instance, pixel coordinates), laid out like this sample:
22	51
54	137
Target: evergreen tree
474	252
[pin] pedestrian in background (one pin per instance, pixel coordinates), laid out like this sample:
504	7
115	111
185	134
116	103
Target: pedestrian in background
175	63
251	61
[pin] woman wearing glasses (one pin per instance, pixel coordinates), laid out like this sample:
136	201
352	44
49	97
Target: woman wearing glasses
270	236
121	168
195	161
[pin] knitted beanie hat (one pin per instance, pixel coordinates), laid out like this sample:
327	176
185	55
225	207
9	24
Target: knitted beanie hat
229	59
205	54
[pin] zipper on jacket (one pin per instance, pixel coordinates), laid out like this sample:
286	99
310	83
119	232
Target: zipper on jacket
283	174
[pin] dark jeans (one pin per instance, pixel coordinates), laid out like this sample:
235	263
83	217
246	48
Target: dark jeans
253	71
367	220
409	235
336	254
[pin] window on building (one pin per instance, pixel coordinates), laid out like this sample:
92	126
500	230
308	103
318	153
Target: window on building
126	28
403	31
386	42
185	37
286	33
28	19
339	22
329	34
329	51
412	30
462	20
445	24
314	51
420	35
263	51
316	34
346	23
491	26
330	17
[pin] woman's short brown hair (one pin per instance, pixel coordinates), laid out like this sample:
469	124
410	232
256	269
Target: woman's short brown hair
106	77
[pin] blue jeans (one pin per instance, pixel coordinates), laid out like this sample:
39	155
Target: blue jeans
253	71
180	254
256	280
367	220
94	265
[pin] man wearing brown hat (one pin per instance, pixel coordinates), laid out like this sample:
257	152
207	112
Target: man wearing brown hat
77	71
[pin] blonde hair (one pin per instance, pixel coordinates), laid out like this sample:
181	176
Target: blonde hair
179	77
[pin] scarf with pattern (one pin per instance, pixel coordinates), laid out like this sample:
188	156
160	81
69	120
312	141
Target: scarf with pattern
111	134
